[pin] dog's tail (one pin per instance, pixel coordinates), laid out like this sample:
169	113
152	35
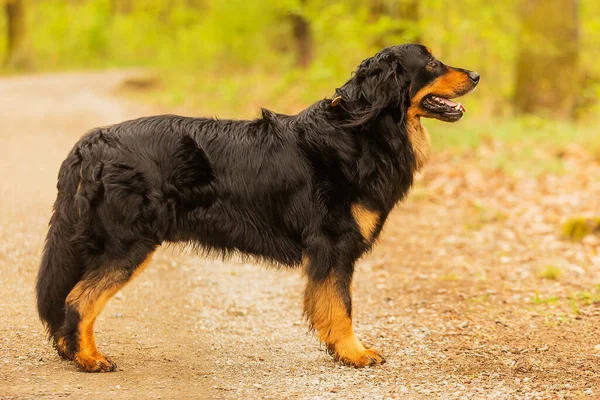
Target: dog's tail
60	268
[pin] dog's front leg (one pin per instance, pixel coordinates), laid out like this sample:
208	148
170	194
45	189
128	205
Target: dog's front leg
328	306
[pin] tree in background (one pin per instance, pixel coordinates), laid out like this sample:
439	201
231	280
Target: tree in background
17	56
547	75
302	36
403	20
407	11
122	6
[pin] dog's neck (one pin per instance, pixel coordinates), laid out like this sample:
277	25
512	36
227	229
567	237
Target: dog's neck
419	139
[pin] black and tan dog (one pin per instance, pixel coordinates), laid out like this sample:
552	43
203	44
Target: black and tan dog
311	190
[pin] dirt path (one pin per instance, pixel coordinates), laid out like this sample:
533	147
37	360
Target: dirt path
452	295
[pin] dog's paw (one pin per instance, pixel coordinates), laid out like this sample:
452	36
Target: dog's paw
94	363
365	358
350	351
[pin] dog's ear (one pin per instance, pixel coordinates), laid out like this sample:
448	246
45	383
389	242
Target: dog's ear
379	83
383	82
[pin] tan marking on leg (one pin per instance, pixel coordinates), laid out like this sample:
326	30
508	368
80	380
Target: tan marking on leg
328	316
140	268
63	349
89	297
366	220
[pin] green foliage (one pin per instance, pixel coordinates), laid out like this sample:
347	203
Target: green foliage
590	39
477	36
212	45
155	33
3	41
67	35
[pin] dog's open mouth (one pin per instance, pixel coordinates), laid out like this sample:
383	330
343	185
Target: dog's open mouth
445	109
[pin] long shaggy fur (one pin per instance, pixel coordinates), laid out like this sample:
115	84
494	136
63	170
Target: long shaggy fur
280	188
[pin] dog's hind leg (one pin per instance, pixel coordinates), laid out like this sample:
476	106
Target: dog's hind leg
328	305
83	305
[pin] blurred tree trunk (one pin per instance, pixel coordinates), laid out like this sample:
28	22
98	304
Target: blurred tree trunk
302	38
547	72
376	9
406	15
122	6
195	3
17	56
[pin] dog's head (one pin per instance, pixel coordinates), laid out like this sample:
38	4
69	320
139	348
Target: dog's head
434	84
407	77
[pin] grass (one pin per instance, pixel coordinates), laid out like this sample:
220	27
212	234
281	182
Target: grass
575	229
471	133
587	297
525	145
574	302
481	216
449	277
537	299
575	307
551	272
481	299
584	298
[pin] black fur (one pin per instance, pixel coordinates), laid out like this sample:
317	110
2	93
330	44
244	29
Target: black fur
276	188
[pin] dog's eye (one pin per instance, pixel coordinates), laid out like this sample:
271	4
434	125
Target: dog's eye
432	63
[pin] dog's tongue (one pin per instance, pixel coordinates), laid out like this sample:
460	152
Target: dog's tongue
448	102
452	104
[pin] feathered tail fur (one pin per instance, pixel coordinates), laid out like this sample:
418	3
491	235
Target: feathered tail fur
60	268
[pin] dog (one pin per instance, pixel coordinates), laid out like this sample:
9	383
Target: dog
310	191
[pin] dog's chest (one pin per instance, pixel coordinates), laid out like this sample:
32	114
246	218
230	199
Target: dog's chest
420	142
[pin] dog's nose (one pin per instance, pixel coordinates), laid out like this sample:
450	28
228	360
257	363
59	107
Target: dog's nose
474	76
